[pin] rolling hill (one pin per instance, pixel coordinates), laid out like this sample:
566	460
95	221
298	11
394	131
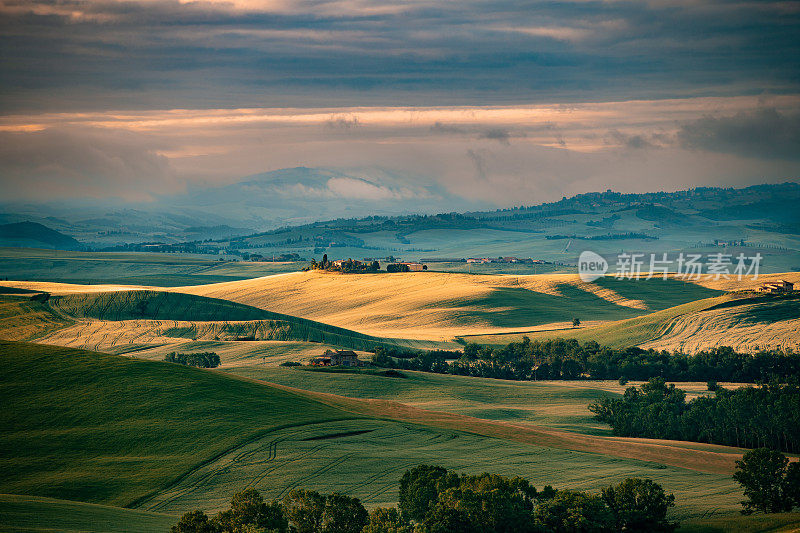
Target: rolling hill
36	235
438	306
163	437
745	321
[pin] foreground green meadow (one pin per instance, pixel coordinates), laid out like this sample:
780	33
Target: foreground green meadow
157	436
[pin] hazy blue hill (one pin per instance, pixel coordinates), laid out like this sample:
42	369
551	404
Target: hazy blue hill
33	234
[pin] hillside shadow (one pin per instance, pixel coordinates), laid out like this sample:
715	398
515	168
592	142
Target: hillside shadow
518	307
657	293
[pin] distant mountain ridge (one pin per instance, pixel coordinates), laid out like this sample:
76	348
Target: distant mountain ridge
341	206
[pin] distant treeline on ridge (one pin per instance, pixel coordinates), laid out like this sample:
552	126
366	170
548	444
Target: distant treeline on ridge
568	359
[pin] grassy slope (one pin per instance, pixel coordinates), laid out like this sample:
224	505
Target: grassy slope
105	429
553	404
745	321
32	513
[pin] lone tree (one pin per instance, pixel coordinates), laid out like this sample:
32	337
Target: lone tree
770	483
576	322
639	505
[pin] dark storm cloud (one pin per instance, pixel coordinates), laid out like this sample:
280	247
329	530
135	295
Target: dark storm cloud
166	54
764	133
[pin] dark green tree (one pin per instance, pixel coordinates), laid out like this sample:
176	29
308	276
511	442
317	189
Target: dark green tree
419	489
791	484
574	512
387	520
249	510
639	505
303	509
343	514
762	473
194	522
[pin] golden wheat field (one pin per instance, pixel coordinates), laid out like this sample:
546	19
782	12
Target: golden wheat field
439	307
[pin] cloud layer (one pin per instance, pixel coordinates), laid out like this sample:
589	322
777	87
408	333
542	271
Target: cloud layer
90	54
491	155
492	101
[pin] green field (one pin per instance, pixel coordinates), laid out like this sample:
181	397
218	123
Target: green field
736	523
561	405
36	514
157	436
106	429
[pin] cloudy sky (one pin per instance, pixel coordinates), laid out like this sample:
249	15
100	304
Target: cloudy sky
498	102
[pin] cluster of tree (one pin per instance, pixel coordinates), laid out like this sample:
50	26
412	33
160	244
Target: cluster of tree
438	501
771	484
350	266
435	500
198	359
396	267
301	511
748	417
568	359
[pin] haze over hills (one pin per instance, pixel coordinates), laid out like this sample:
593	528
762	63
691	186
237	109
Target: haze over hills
309	212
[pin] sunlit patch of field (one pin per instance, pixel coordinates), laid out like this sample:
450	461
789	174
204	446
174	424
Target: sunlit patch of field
199	317
56	288
441	305
433	305
747	282
152	339
24	319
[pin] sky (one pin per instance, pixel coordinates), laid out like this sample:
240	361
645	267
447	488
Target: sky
498	102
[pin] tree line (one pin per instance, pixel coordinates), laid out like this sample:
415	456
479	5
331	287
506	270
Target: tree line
748	417
558	359
198	359
435	500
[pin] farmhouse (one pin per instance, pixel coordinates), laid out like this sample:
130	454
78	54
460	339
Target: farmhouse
777	287
336	358
415	267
